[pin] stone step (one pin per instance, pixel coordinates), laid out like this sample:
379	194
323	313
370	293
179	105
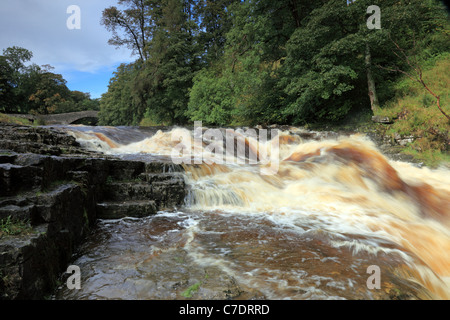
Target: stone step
168	189
36	134
48	180
169	194
15	212
7	156
163	167
123	209
124	170
22	257
174	177
126	191
15	178
147	185
29	147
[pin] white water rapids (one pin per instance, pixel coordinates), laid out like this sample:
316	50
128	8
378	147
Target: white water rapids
309	230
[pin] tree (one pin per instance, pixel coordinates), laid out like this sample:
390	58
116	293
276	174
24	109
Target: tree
262	61
212	99
12	77
163	33
328	69
35	89
214	23
374	102
17	57
135	22
51	92
164	79
248	69
7	99
117	106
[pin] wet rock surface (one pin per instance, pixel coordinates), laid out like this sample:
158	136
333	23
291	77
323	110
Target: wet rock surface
206	256
49	183
38	140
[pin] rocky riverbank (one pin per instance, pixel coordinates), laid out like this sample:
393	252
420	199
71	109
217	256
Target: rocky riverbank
56	191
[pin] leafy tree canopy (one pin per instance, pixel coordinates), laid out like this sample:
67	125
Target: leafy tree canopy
235	62
35	89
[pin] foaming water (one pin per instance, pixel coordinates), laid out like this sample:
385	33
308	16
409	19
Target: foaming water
308	230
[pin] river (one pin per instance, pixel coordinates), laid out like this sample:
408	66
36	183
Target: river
289	217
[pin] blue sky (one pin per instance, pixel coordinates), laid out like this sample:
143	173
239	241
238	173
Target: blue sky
83	56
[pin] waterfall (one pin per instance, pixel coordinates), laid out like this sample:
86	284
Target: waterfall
344	187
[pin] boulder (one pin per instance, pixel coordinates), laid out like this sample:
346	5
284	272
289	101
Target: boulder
381	119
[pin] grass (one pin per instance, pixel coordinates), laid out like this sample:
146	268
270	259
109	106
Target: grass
147	122
432	158
5	118
191	290
416	113
10	227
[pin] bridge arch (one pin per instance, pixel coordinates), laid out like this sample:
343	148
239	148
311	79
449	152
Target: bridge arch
60	118
69	118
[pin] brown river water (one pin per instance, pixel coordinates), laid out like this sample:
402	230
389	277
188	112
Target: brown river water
288	218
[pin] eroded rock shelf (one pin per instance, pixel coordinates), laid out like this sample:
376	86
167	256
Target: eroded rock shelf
58	190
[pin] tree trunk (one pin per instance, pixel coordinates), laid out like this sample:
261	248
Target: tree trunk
294	11
374	104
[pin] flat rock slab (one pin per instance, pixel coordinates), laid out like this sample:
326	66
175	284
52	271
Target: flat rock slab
119	210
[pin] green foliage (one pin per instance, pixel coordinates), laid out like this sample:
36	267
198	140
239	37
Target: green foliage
431	157
324	75
240	87
231	62
214	21
15	78
117	106
211	99
157	84
168	75
10	119
191	290
10	227
35	89
50	92
416	113
318	74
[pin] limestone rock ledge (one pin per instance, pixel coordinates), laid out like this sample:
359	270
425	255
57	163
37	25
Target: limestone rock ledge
50	184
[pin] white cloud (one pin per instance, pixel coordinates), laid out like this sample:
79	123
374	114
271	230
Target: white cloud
40	26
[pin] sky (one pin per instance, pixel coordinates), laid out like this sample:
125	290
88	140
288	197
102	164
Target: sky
82	56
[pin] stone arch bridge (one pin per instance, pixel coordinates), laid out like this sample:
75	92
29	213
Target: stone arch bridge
61	118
